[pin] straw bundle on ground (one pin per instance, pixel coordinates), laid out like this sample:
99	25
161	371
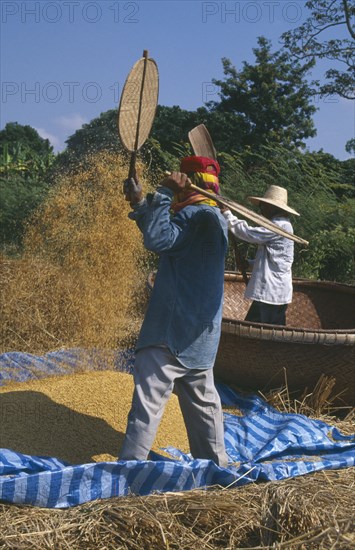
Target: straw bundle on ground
311	512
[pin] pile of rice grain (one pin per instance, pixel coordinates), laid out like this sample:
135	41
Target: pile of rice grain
78	418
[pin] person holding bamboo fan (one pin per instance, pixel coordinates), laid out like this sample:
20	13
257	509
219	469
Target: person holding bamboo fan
270	284
179	337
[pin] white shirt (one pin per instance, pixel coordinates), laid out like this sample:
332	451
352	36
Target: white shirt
271	278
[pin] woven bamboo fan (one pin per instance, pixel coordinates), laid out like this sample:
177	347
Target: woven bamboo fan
137	107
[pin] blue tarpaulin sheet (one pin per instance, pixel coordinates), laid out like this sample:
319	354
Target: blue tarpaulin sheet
262	445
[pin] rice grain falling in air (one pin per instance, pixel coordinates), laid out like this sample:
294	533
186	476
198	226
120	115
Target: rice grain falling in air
81	280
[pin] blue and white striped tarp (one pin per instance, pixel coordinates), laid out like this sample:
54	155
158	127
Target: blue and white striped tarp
263	444
20	366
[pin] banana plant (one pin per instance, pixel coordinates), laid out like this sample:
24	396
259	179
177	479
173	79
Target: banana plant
12	163
5	159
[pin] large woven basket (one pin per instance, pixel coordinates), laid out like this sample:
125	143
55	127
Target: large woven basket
319	339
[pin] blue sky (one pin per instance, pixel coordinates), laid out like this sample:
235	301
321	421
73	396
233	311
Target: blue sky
65	62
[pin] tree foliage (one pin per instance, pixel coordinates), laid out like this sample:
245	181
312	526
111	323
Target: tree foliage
16	136
101	134
350	146
19	199
305	42
269	100
25	160
172	124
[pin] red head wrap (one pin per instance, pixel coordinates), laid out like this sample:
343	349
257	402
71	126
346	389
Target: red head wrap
199	164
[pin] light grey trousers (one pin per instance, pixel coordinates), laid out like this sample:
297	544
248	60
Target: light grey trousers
156	373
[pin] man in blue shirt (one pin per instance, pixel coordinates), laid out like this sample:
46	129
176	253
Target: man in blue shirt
179	337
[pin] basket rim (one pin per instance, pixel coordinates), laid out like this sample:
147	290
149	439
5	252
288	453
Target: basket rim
288	334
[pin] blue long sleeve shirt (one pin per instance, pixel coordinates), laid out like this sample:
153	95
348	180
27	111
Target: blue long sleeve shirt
185	307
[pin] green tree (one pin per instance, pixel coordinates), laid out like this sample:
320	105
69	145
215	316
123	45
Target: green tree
171	126
270	100
23	150
20	197
350	146
25	162
25	138
304	43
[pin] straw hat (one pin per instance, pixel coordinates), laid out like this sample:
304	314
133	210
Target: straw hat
277	196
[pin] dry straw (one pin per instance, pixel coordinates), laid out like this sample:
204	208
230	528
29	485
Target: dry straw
306	513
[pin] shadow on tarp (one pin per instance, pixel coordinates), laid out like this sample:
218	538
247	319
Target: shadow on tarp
263	445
